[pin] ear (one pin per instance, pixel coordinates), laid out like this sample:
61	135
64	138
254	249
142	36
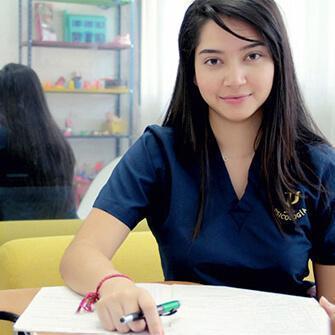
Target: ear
195	81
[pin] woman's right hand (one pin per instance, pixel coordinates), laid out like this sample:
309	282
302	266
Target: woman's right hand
120	296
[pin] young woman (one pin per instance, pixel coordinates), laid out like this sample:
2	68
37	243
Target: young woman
237	185
37	164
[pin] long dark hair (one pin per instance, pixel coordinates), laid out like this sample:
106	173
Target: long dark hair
285	126
33	135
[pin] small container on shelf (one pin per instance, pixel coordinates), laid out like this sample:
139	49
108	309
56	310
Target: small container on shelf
110	83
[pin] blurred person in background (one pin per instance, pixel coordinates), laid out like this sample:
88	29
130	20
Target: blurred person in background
37	163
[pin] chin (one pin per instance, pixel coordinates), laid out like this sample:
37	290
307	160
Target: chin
239	118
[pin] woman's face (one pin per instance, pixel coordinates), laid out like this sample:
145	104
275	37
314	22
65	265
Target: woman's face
234	76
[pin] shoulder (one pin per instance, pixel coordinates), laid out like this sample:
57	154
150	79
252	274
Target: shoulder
321	159
156	140
152	150
158	134
321	155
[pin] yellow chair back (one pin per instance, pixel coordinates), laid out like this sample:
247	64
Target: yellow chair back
34	262
10	230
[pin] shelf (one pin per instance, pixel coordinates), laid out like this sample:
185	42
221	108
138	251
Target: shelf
117	73
115	90
102	3
71	45
83	137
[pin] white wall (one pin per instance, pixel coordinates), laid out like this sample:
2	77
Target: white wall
8	31
310	26
160	28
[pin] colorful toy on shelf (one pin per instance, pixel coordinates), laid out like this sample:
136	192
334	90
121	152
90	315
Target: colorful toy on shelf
96	84
47	85
107	125
84	133
113	125
60	82
98	166
87	85
118	126
84	28
76	77
84	176
71	85
76	82
68	126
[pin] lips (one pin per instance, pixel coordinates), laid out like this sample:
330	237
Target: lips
235	99
236	96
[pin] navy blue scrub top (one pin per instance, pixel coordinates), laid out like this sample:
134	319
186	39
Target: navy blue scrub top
239	244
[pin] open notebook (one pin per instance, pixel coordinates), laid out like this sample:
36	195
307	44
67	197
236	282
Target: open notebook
204	310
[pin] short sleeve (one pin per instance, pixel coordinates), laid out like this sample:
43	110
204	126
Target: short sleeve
129	191
324	225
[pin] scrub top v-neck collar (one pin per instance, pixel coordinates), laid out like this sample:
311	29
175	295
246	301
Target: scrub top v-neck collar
239	208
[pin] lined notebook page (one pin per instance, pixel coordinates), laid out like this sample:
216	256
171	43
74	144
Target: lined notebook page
209	310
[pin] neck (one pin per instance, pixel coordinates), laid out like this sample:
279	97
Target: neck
236	139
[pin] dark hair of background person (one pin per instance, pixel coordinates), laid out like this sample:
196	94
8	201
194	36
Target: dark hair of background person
286	125
35	144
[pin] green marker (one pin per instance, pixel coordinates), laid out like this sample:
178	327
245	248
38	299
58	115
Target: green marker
167	308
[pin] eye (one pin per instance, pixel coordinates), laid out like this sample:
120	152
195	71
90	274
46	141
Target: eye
213	61
254	56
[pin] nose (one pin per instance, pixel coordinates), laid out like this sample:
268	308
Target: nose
234	76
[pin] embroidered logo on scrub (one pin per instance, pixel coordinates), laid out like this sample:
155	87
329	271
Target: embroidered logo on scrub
293	199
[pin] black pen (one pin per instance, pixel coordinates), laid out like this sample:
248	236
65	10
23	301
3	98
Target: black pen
167	308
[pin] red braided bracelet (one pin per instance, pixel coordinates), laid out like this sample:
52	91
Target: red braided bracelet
92	297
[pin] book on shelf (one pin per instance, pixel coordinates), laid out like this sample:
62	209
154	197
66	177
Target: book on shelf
44	22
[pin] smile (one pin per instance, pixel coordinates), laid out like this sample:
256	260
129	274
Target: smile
235	99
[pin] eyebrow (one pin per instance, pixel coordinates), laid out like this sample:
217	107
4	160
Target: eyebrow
246	47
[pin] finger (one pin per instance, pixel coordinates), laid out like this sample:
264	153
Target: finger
104	316
328	307
149	310
116	312
135	326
